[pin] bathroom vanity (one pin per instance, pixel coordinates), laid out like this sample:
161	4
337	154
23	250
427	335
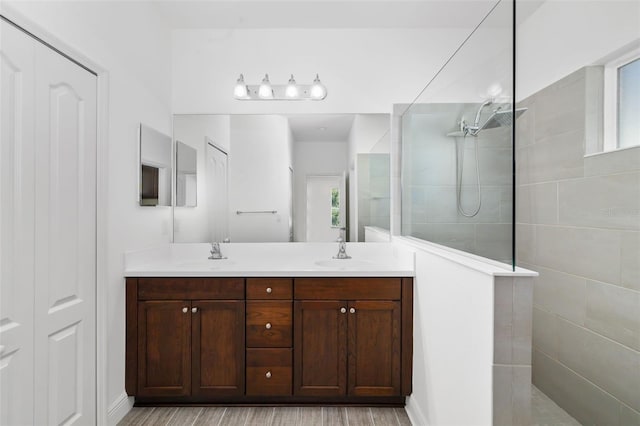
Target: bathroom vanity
271	332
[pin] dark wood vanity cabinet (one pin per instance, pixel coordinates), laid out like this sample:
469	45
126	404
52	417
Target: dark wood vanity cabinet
178	346
351	346
269	340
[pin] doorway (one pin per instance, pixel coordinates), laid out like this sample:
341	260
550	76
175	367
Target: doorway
326	207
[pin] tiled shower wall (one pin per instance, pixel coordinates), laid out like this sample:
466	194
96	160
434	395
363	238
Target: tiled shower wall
429	198
578	225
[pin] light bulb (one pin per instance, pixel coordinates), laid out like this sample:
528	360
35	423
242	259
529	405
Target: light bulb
240	91
265	91
318	91
292	88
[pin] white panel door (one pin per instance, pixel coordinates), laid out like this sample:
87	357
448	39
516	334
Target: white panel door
17	197
217	196
319	208
65	240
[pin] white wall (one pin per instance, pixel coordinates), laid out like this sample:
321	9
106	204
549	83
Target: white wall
397	64
259	177
564	36
366	131
129	41
313	158
191	224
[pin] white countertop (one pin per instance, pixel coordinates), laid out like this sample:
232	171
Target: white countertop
271	260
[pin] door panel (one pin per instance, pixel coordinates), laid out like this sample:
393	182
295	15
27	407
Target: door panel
320	348
164	348
65	229
218	348
374	348
217	198
17	197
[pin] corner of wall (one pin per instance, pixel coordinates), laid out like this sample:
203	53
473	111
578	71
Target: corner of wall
119	408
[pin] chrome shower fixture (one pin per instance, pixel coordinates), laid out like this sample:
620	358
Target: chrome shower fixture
498	118
291	91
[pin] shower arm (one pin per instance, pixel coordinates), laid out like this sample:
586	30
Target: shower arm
473	130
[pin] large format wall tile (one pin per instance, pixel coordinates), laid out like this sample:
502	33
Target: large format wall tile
629	417
587	252
605	163
545	332
585	401
607	364
526	244
553	158
561	293
630	260
601	202
537	203
614	312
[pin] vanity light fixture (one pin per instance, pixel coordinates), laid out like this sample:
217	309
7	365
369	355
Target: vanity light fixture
291	91
241	90
265	91
292	88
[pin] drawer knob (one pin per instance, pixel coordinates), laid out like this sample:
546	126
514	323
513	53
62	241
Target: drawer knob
269	290
343	310
268	326
194	310
352	310
185	310
268	375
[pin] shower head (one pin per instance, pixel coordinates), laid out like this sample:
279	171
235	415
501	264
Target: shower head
501	118
498	118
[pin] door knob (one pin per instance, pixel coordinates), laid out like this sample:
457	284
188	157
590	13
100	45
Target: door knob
268	326
343	310
185	310
194	310
268	375
269	290
352	310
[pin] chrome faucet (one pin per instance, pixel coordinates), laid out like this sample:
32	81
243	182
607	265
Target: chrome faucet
342	246
215	252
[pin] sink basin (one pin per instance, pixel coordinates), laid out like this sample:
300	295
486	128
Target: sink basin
344	263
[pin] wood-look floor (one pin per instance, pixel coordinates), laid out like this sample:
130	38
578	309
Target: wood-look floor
267	416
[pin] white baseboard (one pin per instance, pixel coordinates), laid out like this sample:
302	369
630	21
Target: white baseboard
119	408
415	413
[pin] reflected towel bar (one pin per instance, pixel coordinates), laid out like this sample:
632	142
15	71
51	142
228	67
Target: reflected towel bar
256	211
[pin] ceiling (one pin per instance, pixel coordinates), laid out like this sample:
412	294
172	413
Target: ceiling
264	14
320	127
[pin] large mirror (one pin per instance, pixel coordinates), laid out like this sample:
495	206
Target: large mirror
279	178
155	167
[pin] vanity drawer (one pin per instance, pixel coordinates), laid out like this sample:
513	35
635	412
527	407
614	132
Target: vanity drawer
348	288
269	324
269	288
269	371
190	288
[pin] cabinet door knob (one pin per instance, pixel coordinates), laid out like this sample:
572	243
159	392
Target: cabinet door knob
268	326
343	310
194	310
185	310
352	310
268	375
269	290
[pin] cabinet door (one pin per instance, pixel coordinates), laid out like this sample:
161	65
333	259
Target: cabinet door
374	348
320	348
164	348
218	347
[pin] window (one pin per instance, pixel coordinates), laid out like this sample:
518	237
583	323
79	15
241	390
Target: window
622	102
335	207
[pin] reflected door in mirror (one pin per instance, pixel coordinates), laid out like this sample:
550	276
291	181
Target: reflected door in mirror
217	193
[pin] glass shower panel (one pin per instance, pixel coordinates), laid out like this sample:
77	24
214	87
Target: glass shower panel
457	146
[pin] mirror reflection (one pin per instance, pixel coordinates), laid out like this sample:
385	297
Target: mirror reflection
155	167
186	175
279	178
